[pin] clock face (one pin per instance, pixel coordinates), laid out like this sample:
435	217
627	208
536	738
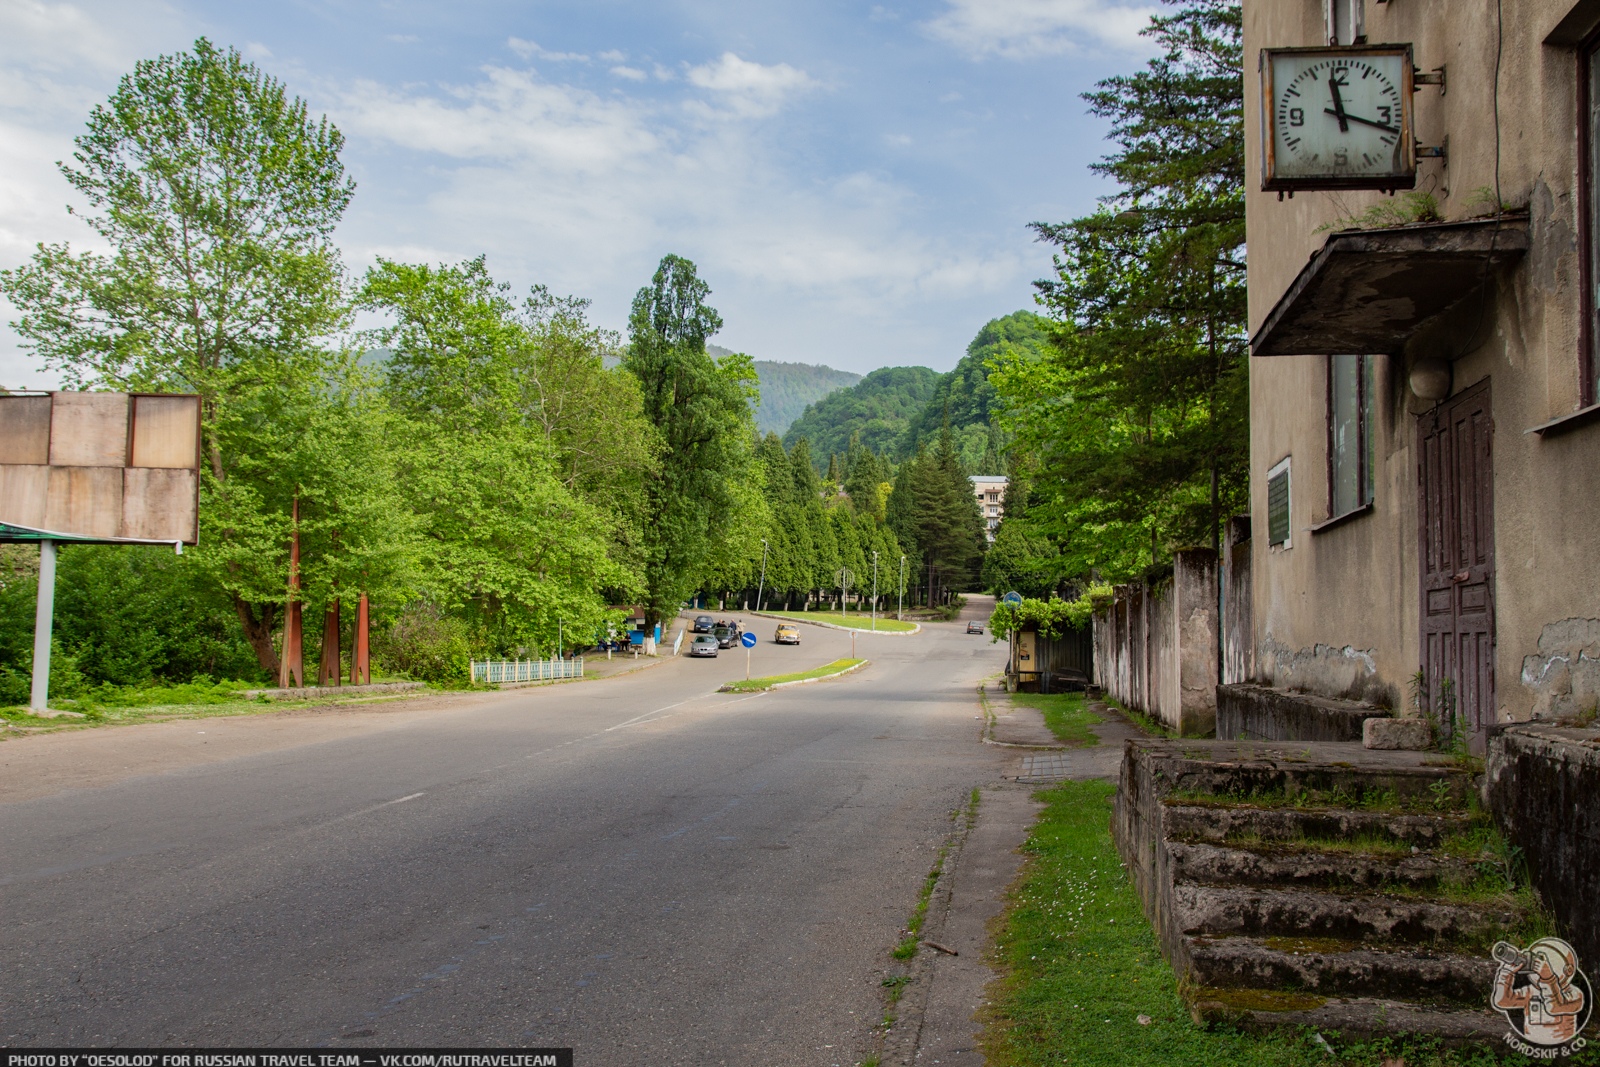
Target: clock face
1340	118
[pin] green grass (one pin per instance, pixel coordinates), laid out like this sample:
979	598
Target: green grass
1067	715
1082	964
856	620
754	685
113	705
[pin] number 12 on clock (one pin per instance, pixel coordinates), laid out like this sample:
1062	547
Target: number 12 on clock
1337	118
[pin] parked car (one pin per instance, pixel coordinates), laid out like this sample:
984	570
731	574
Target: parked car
727	636
788	634
704	645
974	628
702	624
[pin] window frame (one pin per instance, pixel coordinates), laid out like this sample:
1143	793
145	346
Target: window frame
1284	468
1588	334
1365	453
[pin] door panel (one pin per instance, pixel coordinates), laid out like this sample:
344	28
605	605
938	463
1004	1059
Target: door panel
1455	476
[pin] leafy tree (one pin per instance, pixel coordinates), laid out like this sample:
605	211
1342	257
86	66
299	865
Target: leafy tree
700	408
1137	416
218	195
933	509
509	476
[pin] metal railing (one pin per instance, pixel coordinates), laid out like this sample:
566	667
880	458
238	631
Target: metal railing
500	671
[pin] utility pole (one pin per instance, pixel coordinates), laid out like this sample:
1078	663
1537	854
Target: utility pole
874	590
763	585
900	611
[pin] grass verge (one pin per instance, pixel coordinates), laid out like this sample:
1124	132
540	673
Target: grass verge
108	705
1082	967
755	685
1067	715
854	620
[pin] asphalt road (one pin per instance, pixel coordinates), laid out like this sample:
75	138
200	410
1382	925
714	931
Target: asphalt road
639	867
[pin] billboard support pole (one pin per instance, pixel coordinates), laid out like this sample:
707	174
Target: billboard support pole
43	614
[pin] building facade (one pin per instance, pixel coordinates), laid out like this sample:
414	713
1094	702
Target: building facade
991	493
1425	446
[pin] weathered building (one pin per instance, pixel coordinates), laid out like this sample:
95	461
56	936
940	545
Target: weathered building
1425	433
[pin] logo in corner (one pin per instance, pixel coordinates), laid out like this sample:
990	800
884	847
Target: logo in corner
1543	995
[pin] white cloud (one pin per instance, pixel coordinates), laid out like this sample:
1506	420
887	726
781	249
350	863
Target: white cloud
1024	29
897	140
256	50
586	191
750	89
402	38
611	55
529	49
630	73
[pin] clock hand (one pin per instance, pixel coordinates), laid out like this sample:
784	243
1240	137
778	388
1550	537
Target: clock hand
1357	118
1338	103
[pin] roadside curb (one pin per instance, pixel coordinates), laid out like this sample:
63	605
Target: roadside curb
836	626
314	692
723	688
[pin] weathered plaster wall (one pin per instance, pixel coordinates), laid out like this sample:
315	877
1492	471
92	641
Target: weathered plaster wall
1543	782
1355	585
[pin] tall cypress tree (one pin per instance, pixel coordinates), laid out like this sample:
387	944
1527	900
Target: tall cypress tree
1138	415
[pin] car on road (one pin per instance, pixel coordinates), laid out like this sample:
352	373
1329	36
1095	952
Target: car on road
727	636
974	628
702	624
703	645
787	634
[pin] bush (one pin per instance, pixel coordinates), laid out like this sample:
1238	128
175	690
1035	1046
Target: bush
427	645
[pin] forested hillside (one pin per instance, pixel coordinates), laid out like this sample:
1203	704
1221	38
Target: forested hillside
788	388
897	410
879	409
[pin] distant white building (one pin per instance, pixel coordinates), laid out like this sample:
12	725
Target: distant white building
991	493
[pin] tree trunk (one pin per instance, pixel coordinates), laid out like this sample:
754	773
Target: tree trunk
258	631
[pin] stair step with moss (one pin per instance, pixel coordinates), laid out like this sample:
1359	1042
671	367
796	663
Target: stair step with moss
1216	824
1321	884
1204	909
1330	967
1307	866
1352	1017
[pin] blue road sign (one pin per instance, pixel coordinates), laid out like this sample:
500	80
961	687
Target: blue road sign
747	639
1012	597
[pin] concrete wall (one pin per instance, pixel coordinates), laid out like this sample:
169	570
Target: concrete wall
1337	613
1155	646
1238	625
1543	782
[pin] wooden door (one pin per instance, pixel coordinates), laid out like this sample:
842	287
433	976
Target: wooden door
1456	508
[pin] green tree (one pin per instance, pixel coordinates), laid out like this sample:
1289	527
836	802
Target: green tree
218	195
699	406
507	473
1137	416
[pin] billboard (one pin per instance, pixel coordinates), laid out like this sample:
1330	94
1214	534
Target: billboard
109	467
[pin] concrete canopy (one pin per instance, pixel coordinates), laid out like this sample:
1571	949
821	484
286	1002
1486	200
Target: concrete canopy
1368	291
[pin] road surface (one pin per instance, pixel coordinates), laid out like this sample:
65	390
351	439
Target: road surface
638	867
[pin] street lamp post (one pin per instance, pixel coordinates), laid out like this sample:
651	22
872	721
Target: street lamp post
874	590
763	585
900	611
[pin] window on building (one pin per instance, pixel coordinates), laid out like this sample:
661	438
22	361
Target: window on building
1589	139
1350	391
1278	504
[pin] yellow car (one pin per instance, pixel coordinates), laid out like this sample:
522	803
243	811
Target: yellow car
787	634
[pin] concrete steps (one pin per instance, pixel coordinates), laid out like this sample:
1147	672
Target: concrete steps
1322	884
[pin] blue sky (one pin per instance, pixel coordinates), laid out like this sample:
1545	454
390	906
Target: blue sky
854	180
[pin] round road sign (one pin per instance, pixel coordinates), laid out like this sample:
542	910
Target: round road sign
747	639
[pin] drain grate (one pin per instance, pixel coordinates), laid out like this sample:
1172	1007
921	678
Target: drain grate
1045	768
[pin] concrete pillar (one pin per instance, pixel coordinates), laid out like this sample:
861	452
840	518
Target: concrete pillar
43	617
1194	592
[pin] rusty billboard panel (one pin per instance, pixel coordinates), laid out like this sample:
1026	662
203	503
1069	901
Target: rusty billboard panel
101	466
